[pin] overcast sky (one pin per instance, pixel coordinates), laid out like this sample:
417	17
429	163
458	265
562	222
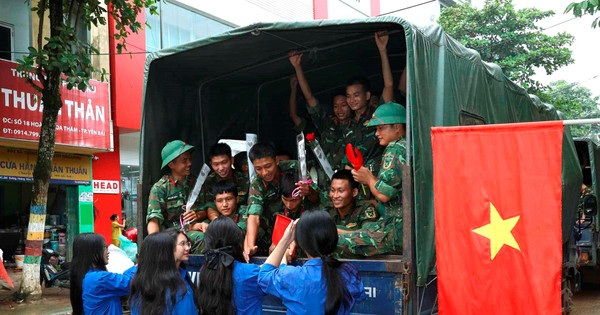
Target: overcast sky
586	47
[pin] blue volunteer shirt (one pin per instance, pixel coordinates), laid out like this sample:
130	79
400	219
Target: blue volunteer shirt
184	304
303	290
247	295
102	290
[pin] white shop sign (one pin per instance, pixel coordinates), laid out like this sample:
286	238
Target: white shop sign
106	186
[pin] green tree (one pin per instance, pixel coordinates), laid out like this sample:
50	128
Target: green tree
63	57
590	7
509	38
575	102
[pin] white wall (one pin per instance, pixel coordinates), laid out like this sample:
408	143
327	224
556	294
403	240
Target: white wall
129	146
17	14
246	12
422	15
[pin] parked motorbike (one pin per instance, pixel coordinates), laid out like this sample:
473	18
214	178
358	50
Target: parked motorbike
50	275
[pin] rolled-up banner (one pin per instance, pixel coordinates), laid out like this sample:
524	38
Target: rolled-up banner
251	140
199	182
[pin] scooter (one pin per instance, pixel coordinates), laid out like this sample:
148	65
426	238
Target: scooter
49	274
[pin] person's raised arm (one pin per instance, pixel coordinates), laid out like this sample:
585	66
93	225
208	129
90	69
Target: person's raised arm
381	39
296	61
402	83
294	102
250	247
278	253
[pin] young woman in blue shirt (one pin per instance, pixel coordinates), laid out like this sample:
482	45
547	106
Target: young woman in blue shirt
228	285
93	289
323	285
162	284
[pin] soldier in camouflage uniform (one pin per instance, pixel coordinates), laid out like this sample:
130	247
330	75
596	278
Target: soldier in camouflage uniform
358	95
226	202
332	128
348	212
220	161
385	235
265	199
169	195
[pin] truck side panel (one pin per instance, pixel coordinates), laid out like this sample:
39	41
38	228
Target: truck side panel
382	281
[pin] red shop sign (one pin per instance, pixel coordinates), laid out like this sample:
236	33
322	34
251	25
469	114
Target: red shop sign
84	120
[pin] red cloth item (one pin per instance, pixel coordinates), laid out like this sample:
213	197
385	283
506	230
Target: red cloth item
4	274
354	156
498	212
281	223
310	137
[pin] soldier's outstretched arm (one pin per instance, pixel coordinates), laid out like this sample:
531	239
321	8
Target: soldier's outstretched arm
293	103
296	61
250	247
381	39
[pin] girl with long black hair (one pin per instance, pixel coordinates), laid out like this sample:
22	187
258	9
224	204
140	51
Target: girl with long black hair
93	289
323	285
227	284
162	284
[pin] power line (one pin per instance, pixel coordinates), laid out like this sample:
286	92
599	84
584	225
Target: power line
409	7
592	78
557	24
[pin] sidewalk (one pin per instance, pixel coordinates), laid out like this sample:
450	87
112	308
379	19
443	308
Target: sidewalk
54	300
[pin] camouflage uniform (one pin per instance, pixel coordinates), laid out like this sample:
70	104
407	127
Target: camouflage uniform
240	218
385	235
363	212
363	138
265	201
292	215
333	135
241	182
165	203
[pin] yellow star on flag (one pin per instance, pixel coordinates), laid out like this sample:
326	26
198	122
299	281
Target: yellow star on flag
499	231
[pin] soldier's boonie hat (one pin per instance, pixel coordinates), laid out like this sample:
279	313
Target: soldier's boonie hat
172	150
387	114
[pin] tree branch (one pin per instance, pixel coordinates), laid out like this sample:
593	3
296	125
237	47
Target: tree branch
35	86
70	15
77	18
41	12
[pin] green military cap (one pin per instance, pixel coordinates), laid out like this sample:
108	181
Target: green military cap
387	114
172	150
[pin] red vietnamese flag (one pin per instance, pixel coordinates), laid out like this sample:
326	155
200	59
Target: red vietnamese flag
498	218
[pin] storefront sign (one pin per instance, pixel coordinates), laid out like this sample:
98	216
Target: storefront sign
106	186
18	165
84	120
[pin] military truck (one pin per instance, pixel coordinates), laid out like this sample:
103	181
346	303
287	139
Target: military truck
238	82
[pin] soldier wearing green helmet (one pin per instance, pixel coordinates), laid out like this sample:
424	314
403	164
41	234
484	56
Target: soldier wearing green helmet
168	196
385	235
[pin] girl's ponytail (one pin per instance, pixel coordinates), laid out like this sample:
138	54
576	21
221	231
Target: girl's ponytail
223	241
316	234
336	290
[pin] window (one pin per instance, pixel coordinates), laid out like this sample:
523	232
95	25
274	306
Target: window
469	119
6	41
177	25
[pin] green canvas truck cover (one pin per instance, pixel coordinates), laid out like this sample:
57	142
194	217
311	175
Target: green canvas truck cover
238	82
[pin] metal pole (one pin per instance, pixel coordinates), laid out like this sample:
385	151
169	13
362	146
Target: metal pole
582	121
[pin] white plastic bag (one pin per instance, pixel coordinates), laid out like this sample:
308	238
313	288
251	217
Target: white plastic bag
118	261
